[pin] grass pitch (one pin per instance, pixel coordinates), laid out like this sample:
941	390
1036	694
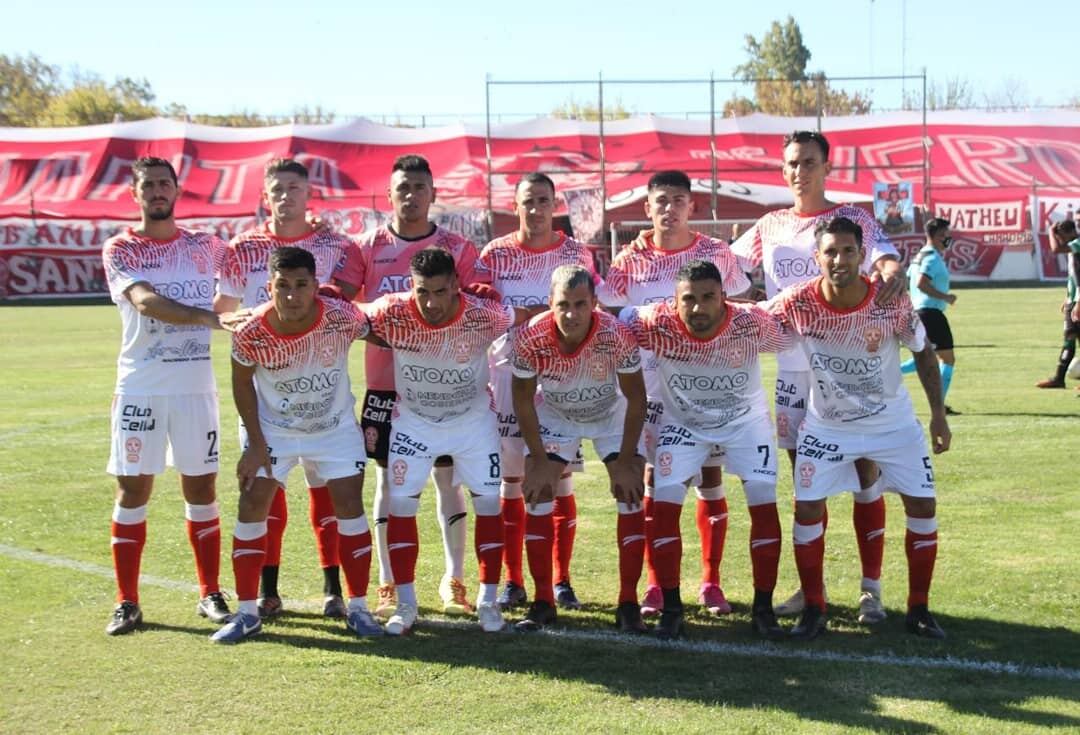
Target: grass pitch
1006	587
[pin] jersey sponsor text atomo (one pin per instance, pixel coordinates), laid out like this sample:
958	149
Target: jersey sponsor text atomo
377	263
854	356
157	358
244	273
579	387
441	372
302	380
782	243
643	273
714	383
522	275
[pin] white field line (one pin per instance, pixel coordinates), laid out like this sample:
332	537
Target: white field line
751	650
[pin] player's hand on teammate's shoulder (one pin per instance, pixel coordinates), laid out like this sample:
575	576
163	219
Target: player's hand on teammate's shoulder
893	283
482	291
940	433
333	291
231	321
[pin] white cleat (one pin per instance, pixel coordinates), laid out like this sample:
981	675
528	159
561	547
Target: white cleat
793	605
402	621
490	616
871	611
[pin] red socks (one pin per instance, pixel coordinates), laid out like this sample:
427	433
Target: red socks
128	539
247	558
712	523
324	523
810	560
765	545
403	543
539	542
513	513
204	533
565	519
869	521
354	552
921	545
276	520
488	541
631	537
667	543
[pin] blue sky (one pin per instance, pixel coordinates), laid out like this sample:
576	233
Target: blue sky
420	57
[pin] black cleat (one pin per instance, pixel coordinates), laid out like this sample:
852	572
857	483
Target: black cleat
125	618
512	595
921	623
950	411
270	607
541	614
628	618
763	621
334	608
565	597
810	625
213	606
671	625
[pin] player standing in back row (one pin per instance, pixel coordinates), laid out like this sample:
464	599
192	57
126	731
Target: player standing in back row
782	243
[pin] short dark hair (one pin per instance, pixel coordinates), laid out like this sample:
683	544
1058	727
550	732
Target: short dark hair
699	270
411	163
809	136
432	262
290	257
535	178
1064	227
285	166
838	226
140	165
936	225
677	179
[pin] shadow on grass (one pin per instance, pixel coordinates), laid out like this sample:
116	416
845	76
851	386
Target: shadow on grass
839	679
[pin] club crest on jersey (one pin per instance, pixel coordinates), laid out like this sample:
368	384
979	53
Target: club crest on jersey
398	469
201	263
873	335
326	356
806	473
133	447
598	371
371	438
736	355
663	461
461	352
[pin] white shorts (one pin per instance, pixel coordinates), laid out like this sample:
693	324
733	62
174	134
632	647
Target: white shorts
792	398
312	479
747	450
149	432
565	442
650	433
472	444
511	445
825	464
330	455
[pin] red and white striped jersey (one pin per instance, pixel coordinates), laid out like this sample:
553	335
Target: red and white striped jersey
854	355
782	243
642	273
158	358
714	383
580	387
377	263
244	274
522	276
441	372
302	380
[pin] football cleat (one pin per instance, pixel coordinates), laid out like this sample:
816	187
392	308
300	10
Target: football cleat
455	597
671	625
512	595
794	605
871	611
712	599
213	607
363	623
270	607
387	600
541	614
565	597
490	616
921	623
950	411
402	621
628	618
238	627
125	618
1050	383
763	621
810	625
334	607
653	602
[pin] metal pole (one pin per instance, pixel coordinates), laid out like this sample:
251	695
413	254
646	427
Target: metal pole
926	148
603	155
712	142
817	93
487	153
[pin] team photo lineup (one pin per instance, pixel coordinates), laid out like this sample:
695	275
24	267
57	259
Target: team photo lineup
485	368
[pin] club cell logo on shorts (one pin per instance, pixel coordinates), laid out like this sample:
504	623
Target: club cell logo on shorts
806	473
783	425
326	356
133	447
598	370
663	461
461	352
371	438
873	335
398	469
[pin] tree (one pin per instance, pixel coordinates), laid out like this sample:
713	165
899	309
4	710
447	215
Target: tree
953	94
777	68
90	101
571	109
26	85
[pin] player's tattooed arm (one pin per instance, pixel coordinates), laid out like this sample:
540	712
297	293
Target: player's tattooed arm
149	302
926	365
541	473
256	454
893	281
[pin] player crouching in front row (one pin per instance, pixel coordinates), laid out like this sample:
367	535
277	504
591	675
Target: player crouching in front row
291	386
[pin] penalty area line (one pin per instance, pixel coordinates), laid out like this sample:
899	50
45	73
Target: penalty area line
752	650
